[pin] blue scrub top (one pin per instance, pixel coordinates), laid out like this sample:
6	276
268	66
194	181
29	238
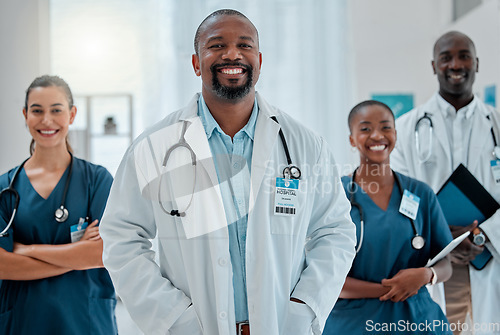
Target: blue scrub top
78	302
386	250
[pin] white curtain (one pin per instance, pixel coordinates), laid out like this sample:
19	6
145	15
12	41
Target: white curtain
307	69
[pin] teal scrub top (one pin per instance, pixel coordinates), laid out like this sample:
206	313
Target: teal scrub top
78	302
386	250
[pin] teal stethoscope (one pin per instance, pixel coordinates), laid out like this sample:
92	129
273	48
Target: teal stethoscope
417	242
426	119
289	172
61	213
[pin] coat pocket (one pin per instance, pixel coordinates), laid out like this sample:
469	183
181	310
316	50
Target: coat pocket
187	323
299	319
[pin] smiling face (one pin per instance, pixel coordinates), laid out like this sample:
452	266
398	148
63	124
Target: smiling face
373	133
455	64
228	59
48	116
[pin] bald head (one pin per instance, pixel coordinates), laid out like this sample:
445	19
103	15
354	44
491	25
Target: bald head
450	37
455	64
213	16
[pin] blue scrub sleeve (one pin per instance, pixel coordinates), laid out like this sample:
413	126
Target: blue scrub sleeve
6	208
100	193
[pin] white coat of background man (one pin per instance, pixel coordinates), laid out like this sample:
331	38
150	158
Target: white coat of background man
462	126
230	261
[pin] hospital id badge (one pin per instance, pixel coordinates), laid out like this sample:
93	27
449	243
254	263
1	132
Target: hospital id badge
409	205
495	169
285	199
78	230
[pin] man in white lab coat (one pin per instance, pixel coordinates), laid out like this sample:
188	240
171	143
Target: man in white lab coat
243	246
465	131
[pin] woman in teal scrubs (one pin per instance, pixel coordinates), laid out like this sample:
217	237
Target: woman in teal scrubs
53	280
385	291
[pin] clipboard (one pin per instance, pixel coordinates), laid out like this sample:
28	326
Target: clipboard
446	250
463	199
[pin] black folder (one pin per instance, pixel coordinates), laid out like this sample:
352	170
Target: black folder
463	199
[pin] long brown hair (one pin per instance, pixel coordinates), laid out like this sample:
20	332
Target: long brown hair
48	81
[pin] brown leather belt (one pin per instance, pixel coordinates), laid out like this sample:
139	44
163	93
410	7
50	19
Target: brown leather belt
242	328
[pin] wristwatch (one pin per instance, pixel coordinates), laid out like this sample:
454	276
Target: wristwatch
478	237
434	278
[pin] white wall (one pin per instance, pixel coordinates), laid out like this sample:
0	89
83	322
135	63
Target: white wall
483	26
24	46
393	41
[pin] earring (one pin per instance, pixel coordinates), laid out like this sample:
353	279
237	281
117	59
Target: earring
354	149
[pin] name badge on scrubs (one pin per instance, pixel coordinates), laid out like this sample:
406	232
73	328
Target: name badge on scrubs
78	230
285	199
495	169
409	205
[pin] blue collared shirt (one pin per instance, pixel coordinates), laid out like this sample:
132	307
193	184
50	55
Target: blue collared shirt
232	159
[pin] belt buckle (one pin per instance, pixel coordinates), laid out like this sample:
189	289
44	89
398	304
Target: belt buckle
240	325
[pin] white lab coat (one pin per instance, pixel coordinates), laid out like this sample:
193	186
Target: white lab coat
485	286
306	256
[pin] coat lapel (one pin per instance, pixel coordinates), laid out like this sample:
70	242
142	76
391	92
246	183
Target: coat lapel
197	139
438	123
195	136
207	200
480	134
266	134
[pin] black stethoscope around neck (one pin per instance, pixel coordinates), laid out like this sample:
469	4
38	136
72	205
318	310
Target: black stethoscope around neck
61	214
289	172
417	242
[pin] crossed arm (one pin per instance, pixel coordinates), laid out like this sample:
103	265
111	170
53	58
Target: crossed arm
38	261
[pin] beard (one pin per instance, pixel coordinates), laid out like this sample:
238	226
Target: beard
232	92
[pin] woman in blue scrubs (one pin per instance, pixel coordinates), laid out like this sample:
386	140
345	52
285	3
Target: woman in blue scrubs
385	291
51	272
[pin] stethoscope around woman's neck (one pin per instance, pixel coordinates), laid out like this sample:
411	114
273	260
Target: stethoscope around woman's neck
61	214
417	242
